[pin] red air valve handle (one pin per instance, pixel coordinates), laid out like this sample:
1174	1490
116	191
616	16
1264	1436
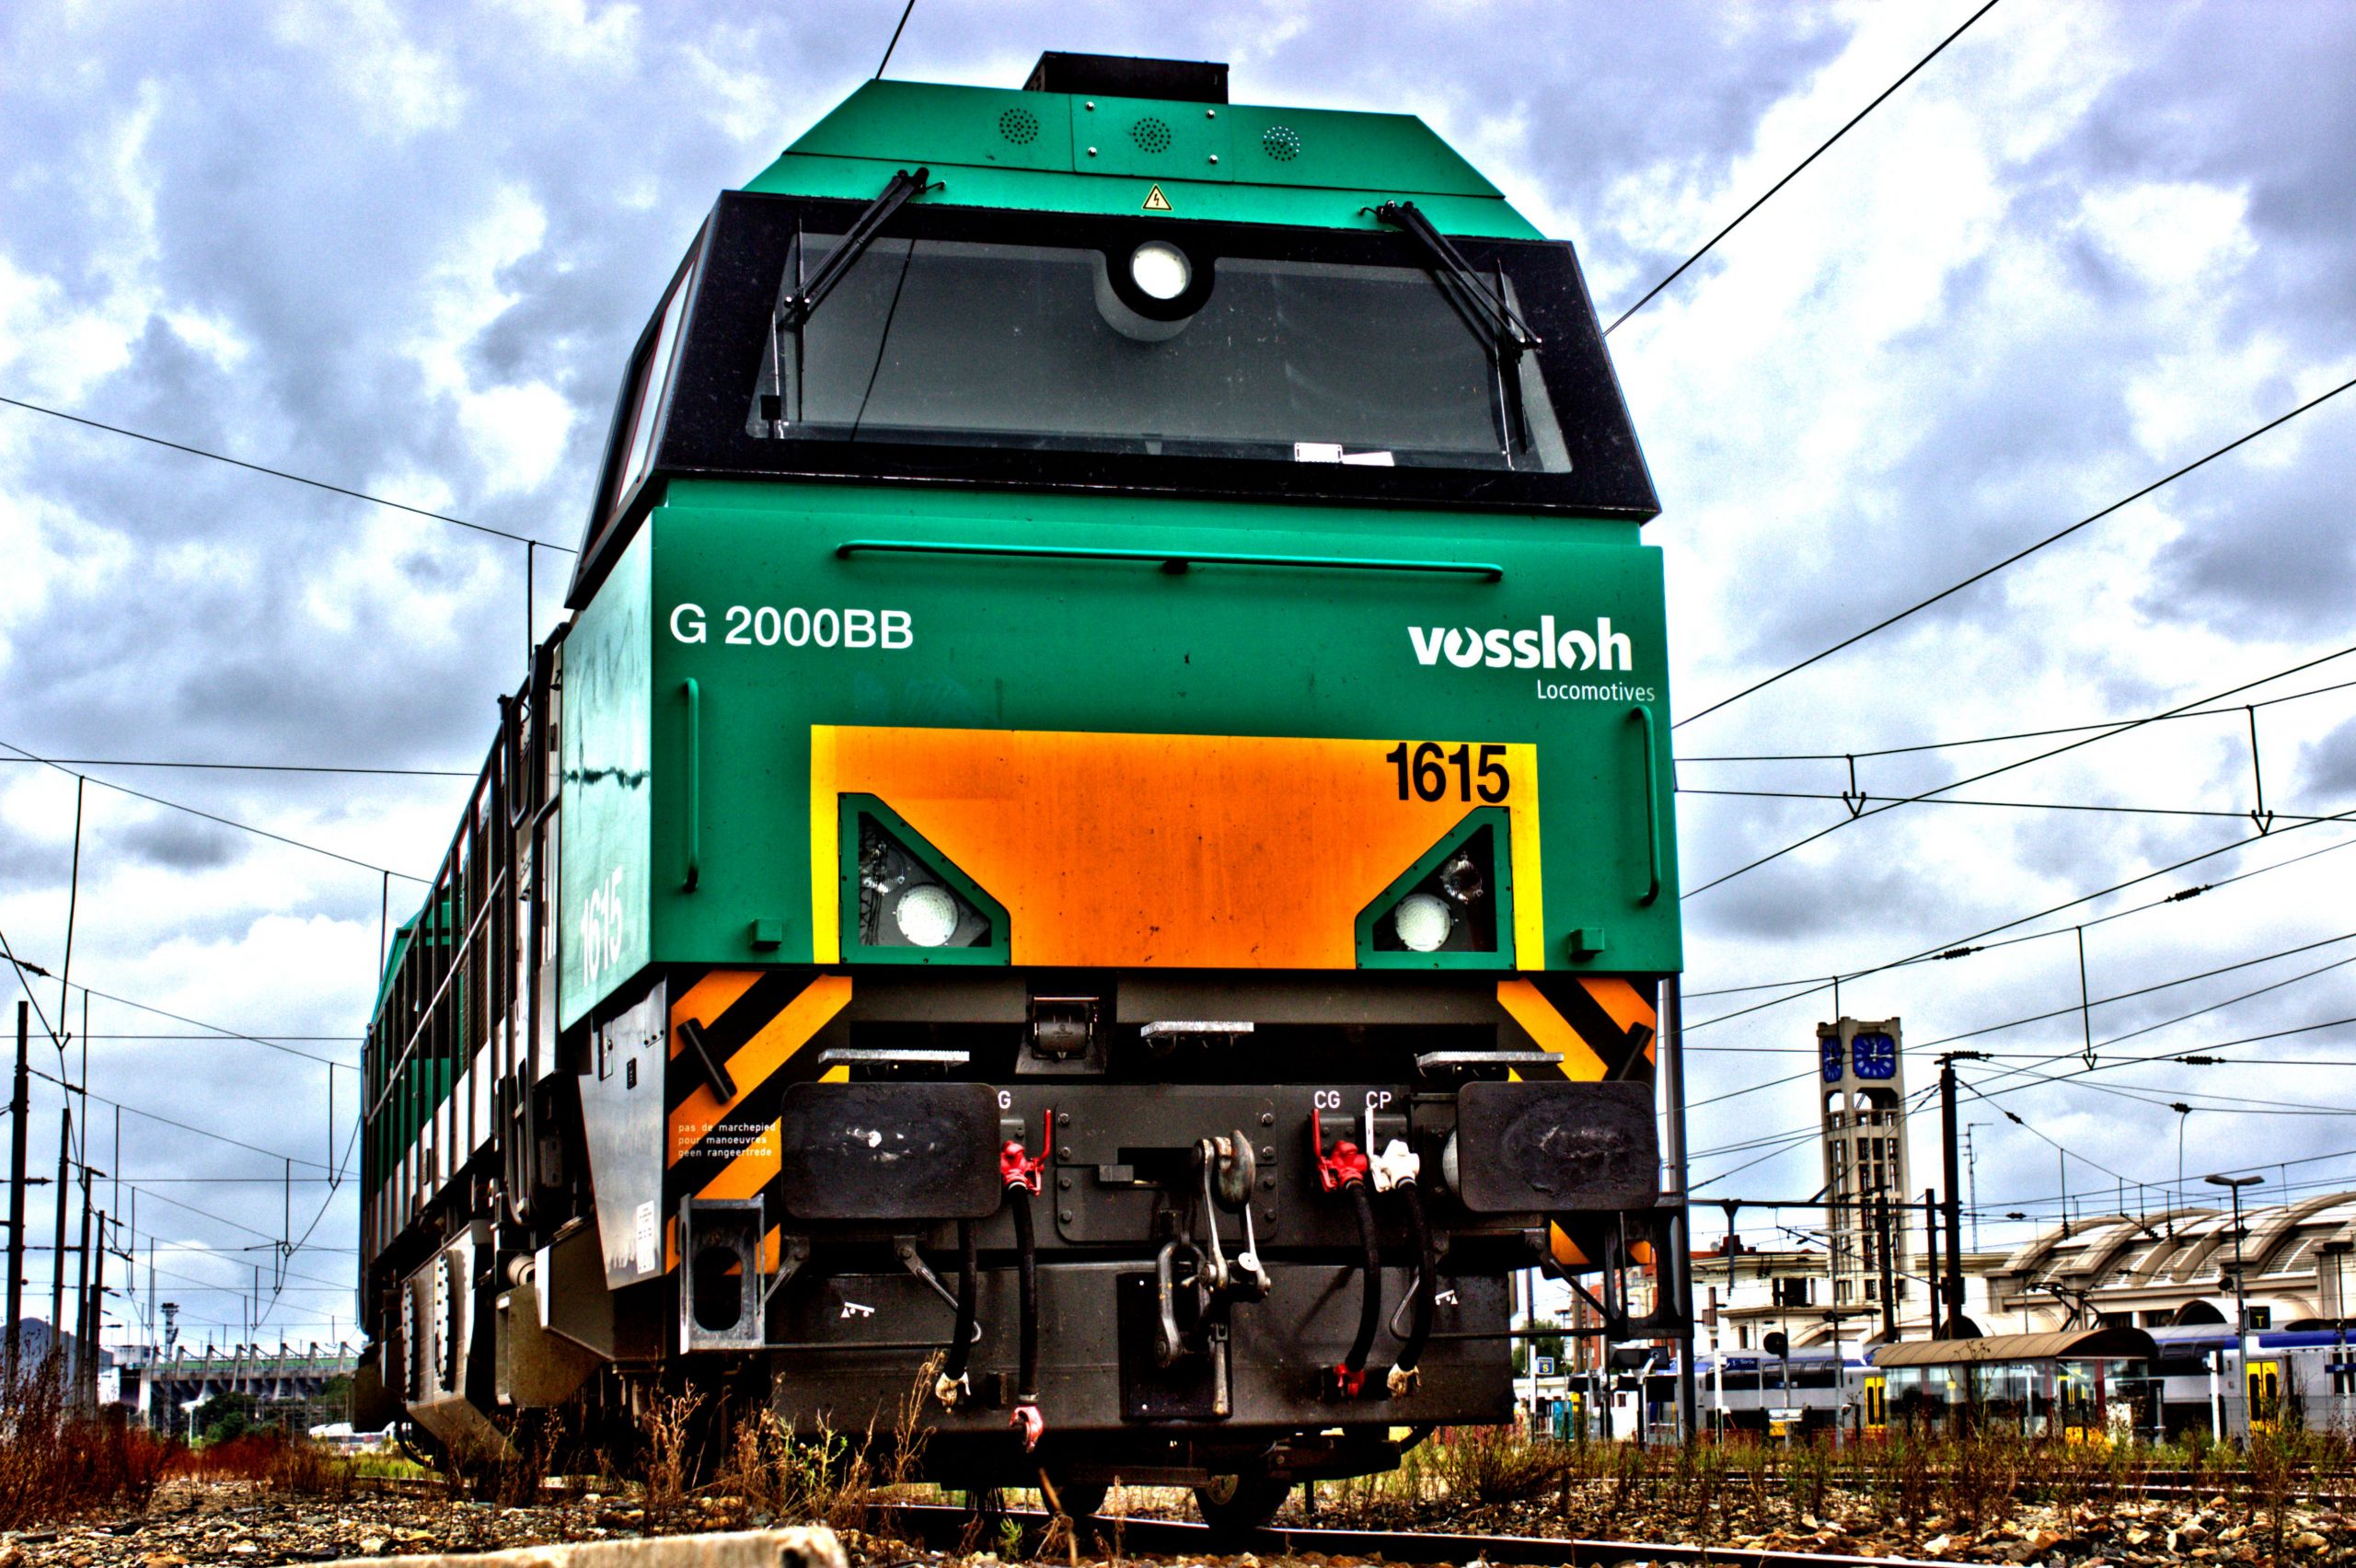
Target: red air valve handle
1017	1169
1346	1166
1027	1420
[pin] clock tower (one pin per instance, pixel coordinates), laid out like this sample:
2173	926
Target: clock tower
1863	1082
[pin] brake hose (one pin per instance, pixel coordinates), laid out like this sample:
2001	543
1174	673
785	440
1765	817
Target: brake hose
1023	1171
1403	1375
1346	1170
1352	1372
1026	1382
950	1386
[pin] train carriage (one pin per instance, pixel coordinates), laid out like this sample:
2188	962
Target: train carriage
1097	843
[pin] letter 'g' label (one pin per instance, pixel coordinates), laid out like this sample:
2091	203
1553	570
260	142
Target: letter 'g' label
797	626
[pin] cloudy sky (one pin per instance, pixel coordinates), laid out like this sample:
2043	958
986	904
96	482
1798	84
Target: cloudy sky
405	249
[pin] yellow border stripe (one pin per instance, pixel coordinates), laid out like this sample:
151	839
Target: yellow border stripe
826	850
1528	866
1550	1029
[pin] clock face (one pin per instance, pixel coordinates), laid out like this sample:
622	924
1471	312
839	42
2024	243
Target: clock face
1875	1056
1828	1051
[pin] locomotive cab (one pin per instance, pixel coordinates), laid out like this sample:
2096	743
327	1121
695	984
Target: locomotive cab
1095	853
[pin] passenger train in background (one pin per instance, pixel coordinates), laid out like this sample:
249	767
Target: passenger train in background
2305	1377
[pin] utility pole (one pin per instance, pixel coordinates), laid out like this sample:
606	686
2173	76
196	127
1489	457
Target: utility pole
1970	1177
1931	1269
20	1110
1952	1290
1677	1279
57	1251
1882	1229
97	1310
85	1365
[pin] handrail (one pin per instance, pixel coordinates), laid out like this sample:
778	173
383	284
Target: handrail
424	1012
1652	803
695	783
1170	560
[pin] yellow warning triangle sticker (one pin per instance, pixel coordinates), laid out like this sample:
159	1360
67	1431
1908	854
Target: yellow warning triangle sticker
1155	202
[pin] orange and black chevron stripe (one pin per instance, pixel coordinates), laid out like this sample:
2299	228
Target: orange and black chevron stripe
768	1027
1595	1028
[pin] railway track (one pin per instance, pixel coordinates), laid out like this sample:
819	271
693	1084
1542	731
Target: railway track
942	1527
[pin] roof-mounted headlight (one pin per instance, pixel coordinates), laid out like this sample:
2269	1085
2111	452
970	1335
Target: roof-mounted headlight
1161	270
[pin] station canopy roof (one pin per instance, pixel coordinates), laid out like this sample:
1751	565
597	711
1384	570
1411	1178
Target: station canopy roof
2069	1345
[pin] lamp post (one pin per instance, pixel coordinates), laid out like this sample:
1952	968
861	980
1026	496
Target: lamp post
2241	1291
2333	1255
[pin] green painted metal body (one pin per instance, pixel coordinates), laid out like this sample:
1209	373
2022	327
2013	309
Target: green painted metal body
1090	645
1340	165
1042	636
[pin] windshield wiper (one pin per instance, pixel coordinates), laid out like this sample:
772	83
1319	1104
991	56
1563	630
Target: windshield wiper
797	298
1484	308
794	309
1485	311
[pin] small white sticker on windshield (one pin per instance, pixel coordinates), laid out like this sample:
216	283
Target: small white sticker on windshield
1331	452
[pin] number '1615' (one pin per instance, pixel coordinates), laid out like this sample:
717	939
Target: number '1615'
1426	770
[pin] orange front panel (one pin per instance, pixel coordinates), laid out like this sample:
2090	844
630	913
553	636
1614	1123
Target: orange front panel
1175	851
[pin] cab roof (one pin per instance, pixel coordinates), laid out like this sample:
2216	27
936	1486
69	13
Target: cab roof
1108	133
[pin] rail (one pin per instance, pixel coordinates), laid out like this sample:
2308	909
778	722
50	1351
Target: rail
945	1525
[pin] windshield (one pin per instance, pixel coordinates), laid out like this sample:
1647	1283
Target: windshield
1075	348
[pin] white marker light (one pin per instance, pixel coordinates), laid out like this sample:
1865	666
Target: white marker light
1160	269
1422	922
927	915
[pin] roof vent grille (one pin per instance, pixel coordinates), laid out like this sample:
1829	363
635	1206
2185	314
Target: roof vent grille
1019	126
1281	143
1151	134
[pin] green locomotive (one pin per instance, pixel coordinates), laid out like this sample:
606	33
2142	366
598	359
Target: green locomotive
1098	843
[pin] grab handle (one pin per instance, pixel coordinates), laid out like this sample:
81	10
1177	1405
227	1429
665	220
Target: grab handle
1170	560
1652	805
695	784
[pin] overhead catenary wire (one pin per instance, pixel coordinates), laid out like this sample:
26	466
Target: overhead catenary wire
2047	753
1862	799
2022	554
1873	752
214	817
284	474
1963	949
1785	1142
243	766
1958	944
145	1114
271	1042
1825	146
359	1126
888	47
2156	985
238	1225
1997	1205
